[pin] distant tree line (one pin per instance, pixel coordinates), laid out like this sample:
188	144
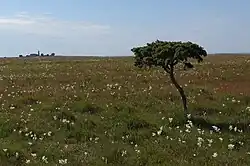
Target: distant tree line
36	55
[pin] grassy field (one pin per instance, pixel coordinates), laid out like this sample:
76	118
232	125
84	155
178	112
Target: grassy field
104	111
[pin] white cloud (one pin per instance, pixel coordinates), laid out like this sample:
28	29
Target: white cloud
46	25
7	22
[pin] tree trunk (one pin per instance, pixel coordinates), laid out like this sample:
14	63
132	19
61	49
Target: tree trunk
181	91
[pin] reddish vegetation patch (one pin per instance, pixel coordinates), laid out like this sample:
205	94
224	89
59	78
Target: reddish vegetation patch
234	87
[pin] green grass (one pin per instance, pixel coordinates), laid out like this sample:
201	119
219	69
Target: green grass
105	111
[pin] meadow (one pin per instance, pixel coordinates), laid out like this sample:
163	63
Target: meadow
105	111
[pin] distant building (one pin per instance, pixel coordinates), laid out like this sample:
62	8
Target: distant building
33	54
39	54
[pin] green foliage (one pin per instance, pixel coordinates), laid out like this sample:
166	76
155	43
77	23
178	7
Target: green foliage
168	54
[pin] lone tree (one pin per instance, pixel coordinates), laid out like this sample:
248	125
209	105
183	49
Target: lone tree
168	55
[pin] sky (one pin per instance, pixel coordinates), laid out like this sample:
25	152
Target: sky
113	27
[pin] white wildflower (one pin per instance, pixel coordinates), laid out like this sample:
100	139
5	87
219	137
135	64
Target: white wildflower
137	151
33	154
210	140
215	154
63	161
241	143
188	126
217	129
190	123
230	146
124	152
45	159
235	129
49	133
160	131
17	154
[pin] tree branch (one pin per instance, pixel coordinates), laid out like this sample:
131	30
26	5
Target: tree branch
166	68
175	62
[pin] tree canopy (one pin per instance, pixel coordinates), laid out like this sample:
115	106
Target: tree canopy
167	54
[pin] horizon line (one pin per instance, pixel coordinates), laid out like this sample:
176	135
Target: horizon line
89	55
